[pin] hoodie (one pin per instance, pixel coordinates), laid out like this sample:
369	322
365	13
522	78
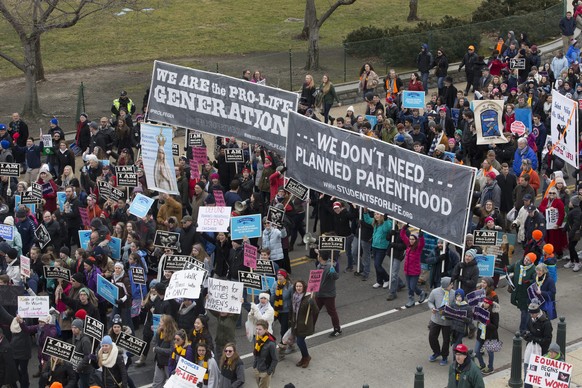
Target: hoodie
424	59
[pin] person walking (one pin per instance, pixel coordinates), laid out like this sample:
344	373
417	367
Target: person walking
326	97
232	368
265	355
282	292
487	336
438	298
382	226
463	373
302	319
523	276
469	60
414	245
110	359
327	290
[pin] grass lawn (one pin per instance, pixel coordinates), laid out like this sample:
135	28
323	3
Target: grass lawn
208	31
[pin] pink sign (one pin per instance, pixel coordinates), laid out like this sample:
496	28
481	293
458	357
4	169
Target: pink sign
219	197
194	169
314	280
25	266
199	154
250	256
84	216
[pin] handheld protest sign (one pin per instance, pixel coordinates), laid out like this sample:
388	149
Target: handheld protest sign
234	155
25	266
175	262
7	232
43	236
130	343
481	315
199	155
107	290
138	275
547	372
28	199
116	194
249	226
265	267
224	296
219	198
250	280
250	256
175	149
126	176
185	284
455	314
140	206
475	297
94	328
485	237
56	273
36	190
294	187
213	219
194	139
84	213
332	243
314	280
104	189
10	169
276	215
165	239
57	348
33	306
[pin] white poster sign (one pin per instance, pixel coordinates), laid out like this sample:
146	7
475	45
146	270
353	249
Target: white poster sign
185	284
564	131
187	375
213	219
33	306
224	296
548	373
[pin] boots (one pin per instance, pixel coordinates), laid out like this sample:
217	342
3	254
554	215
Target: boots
410	302
306	362
300	362
141	362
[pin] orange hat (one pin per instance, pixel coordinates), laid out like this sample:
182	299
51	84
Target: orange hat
532	257
471	47
549	249
537	234
56	384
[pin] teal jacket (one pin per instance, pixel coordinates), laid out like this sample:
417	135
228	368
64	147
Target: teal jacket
379	240
469	375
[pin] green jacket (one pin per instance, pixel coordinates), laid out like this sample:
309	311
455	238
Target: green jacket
329	97
469	375
519	295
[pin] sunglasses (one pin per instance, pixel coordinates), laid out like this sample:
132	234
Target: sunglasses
228	351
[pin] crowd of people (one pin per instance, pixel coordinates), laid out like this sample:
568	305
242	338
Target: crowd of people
518	183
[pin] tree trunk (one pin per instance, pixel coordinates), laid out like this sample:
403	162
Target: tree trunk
413	15
309	18
31	105
313	51
40	76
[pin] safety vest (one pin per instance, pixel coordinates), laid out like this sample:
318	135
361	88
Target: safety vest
116	104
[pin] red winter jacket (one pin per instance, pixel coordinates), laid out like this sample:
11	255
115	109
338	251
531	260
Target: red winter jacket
412	256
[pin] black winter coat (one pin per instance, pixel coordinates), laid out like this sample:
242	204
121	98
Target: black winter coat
506	184
469	276
540	332
63	373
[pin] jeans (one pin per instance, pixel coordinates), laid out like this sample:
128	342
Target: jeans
349	250
395	279
573	253
441	83
479	356
381	274
302	345
523	321
326	109
424	79
283	319
366	249
412	284
434	329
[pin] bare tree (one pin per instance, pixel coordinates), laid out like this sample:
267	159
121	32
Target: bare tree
313	25
413	14
30	19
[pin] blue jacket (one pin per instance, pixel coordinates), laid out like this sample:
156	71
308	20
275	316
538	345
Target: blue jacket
379	240
573	55
31	155
567	26
526	153
287	296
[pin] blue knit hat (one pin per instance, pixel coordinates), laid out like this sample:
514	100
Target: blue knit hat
106	340
460	292
54	121
5	144
399	138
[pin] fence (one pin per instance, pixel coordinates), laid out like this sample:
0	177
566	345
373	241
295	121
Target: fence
286	69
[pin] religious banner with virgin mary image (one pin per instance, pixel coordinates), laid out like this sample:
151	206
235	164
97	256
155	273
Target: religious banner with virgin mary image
158	162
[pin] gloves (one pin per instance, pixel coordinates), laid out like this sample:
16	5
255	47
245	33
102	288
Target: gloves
283	170
332	269
119	301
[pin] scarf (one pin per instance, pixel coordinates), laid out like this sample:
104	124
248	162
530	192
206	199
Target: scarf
522	270
180	351
540	280
205	366
259	342
483	328
296	302
435	142
108	360
118	278
278	304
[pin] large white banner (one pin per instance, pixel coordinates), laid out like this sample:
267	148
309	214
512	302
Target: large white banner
548	373
158	162
425	192
564	128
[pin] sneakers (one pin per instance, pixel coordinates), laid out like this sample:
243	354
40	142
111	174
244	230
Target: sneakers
434	357
391	296
364	278
335	333
376	285
410	303
569	265
486	371
577	267
444	361
386	284
422	297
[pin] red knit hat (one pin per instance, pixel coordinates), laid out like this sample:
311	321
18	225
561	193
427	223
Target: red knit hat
81	314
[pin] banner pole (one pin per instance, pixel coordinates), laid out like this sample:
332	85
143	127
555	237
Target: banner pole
442	253
308	202
359	237
390	277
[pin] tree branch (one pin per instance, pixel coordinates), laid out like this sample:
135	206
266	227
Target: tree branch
18	27
332	9
18	65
